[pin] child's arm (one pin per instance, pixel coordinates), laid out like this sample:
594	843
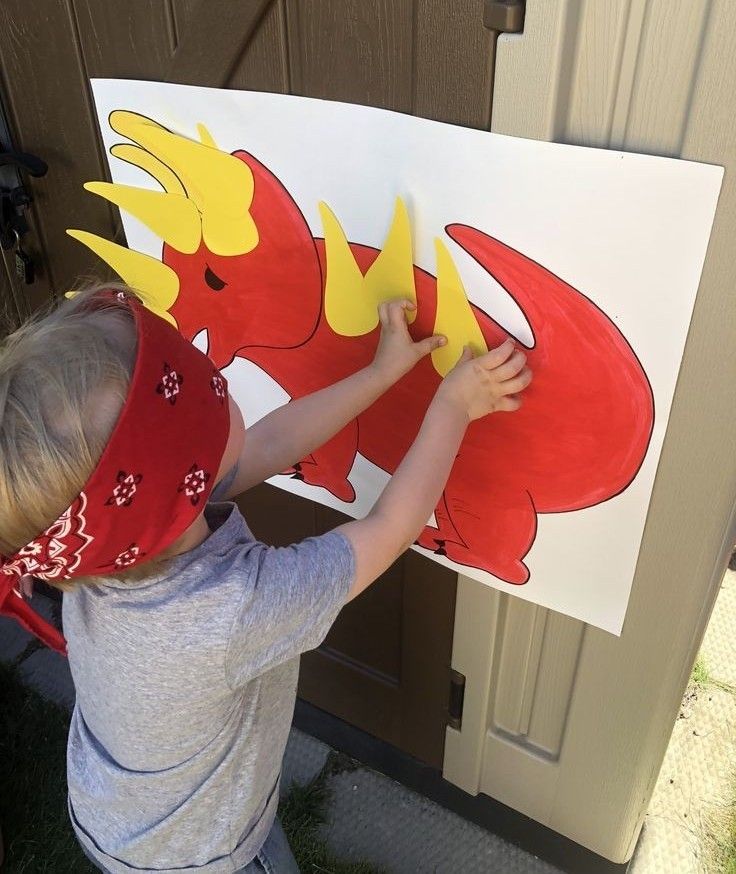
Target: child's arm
292	431
472	389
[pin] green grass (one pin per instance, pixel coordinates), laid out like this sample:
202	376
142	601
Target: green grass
721	831
33	815
700	676
722	841
302	812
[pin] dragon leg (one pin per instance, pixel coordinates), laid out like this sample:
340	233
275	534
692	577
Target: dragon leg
435	538
329	466
489	532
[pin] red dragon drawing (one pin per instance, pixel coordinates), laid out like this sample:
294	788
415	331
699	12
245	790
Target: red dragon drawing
240	261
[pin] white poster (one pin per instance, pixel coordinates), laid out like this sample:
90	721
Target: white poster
270	227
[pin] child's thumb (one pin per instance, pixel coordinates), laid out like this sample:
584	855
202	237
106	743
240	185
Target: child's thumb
429	344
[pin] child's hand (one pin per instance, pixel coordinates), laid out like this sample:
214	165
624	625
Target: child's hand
487	384
397	353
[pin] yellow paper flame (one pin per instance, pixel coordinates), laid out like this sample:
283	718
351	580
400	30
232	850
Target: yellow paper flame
454	317
157	284
351	298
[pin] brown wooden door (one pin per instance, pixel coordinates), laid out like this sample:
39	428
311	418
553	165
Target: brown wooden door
385	664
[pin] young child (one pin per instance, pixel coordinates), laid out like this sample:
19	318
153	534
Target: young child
183	631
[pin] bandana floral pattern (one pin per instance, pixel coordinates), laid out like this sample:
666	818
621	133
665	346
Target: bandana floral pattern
56	552
194	483
128	557
218	386
171	384
124	492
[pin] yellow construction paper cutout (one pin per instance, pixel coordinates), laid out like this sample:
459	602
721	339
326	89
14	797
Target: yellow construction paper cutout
139	157
220	185
454	317
351	298
348	309
173	217
156	283
205	137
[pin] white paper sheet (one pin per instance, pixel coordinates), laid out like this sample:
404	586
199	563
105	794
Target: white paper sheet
628	231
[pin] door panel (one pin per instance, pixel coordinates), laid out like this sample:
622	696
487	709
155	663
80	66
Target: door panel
113	40
353	51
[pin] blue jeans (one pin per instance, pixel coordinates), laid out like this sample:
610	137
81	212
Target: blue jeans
274	857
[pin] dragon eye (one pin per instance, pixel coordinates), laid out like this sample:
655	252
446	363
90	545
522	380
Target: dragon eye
213	280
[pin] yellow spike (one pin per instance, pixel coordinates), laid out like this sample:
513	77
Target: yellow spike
349	311
172	217
161	313
391	275
205	137
157	283
139	157
220	185
352	299
454	316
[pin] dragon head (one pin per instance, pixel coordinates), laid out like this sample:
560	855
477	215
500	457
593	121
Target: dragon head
238	257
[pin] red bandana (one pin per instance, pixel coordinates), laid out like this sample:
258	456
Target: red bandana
152	480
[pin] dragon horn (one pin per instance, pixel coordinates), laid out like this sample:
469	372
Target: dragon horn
139	157
348	311
220	185
454	317
156	283
391	275
352	299
173	217
205	137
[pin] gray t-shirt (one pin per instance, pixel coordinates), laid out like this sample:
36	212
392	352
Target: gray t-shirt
185	686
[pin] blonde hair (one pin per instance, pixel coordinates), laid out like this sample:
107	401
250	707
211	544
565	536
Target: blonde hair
63	380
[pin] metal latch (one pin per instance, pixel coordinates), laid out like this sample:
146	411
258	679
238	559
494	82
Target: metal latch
14	198
456	699
504	16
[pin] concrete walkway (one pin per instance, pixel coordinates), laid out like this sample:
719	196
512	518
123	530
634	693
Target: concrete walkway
697	784
375	819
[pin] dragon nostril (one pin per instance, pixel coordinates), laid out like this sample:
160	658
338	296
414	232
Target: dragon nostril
213	280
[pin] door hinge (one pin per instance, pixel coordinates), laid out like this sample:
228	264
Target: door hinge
456	699
504	16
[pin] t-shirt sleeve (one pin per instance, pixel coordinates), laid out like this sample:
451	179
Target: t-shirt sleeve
219	493
291	602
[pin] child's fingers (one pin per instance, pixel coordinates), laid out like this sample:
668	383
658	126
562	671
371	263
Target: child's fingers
467	355
397	313
384	312
511	367
509	404
496	357
392	312
518	383
429	344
